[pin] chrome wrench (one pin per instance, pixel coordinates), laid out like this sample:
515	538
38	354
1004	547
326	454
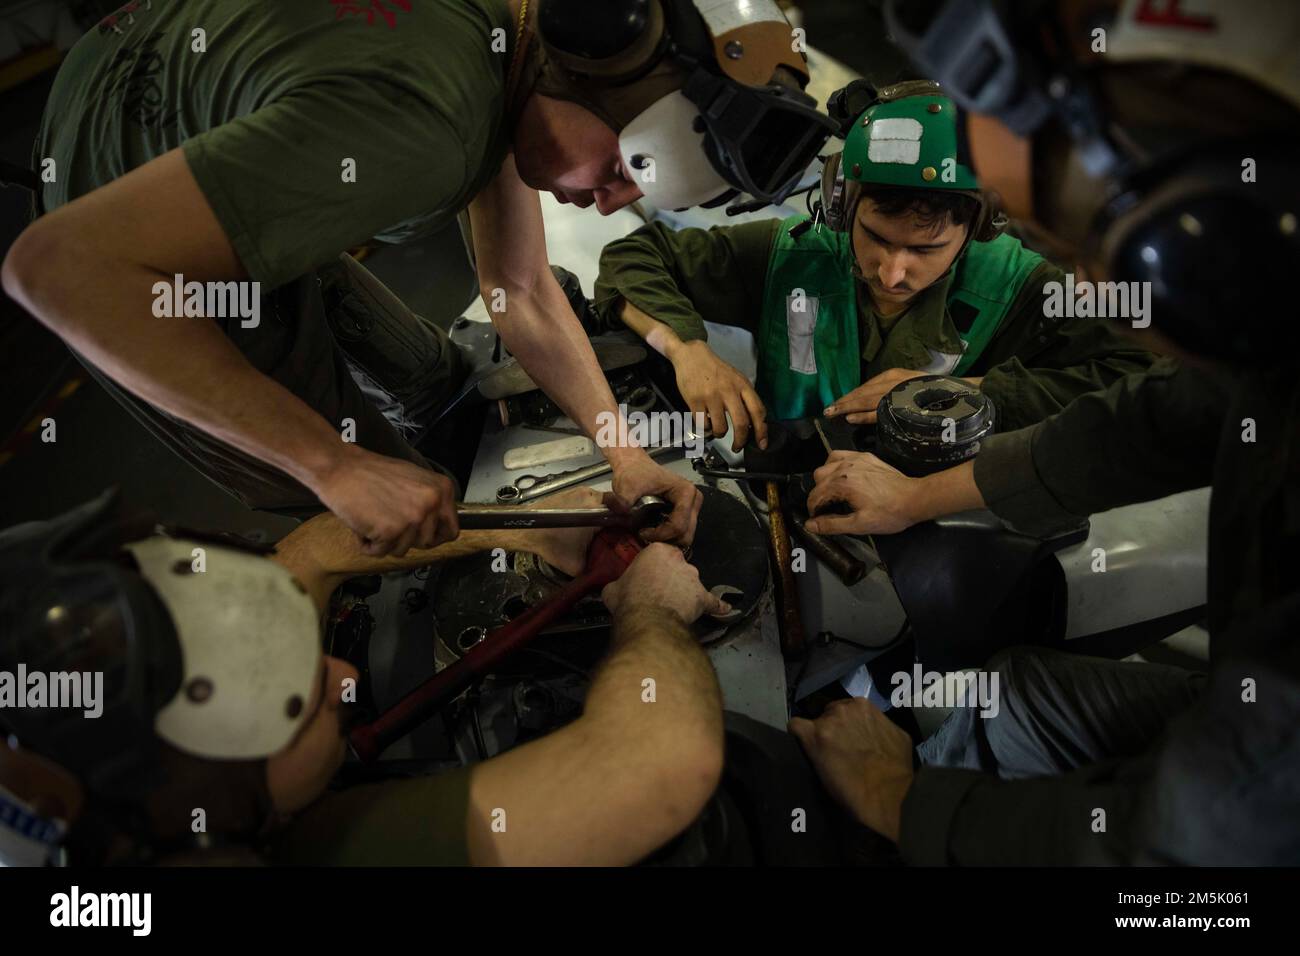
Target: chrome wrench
648	511
531	487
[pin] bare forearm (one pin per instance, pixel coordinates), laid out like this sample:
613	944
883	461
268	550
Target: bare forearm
657	335
945	492
185	366
323	553
540	329
651	644
624	778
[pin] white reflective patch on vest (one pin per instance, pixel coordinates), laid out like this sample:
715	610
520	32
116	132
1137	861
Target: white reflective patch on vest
800	323
941	363
895	140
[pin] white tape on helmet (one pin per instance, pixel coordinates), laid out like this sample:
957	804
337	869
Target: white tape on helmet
250	648
665	155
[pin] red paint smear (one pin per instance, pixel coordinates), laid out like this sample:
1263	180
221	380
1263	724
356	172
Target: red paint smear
1165	13
370	9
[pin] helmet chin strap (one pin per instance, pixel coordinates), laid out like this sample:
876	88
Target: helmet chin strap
521	80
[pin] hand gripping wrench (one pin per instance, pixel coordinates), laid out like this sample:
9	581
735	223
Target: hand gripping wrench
530	487
611	552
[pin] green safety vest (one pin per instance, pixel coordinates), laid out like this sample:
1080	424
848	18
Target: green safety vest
808	348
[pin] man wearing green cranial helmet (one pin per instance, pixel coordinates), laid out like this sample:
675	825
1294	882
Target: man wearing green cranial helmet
902	270
910	141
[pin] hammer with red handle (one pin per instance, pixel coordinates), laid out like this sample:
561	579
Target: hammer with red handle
611	552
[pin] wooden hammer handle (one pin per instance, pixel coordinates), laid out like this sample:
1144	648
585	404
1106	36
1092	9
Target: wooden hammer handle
793	644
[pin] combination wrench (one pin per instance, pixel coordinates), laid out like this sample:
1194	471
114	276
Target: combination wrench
531	487
647	512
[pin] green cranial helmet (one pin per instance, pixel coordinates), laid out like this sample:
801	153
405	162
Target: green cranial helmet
907	137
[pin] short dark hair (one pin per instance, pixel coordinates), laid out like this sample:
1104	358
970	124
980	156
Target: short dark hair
931	207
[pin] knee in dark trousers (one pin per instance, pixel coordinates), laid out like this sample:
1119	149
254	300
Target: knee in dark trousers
975	740
1059	711
1011	736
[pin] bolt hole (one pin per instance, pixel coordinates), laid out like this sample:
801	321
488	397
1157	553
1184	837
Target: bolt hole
535	698
469	637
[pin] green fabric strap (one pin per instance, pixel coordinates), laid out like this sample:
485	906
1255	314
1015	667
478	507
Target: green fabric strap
989	277
809	280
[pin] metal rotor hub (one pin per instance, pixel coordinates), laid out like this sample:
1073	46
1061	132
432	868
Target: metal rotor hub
932	422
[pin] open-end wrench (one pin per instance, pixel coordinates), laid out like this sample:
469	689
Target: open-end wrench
726	592
530	487
647	512
709	467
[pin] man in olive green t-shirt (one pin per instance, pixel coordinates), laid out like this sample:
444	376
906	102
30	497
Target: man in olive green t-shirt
228	141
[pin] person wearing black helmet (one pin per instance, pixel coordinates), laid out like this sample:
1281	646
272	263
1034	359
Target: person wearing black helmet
218	723
195	155
1151	148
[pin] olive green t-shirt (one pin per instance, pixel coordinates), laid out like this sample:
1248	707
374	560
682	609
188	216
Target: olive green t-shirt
280	105
419	821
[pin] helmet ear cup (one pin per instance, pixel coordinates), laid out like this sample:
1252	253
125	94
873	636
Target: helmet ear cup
990	221
612	41
1200	239
836	201
846	104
